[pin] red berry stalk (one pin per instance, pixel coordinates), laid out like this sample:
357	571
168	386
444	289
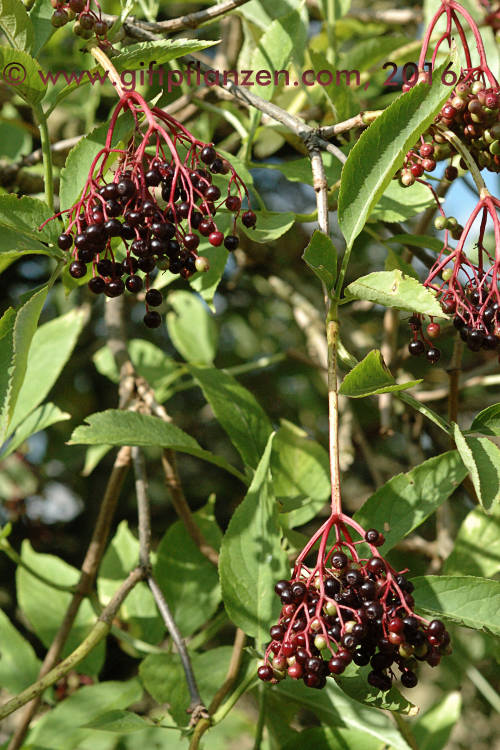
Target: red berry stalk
159	202
345	602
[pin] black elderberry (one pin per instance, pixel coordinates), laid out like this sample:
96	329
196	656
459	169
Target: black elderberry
147	263
97	285
212	193
77	269
353	578
126	187
433	355
134	284
233	203
231	242
65	241
372	536
282	586
114	288
368	590
105	267
373	610
339	560
361	658
379	680
113	228
217	167
127	231
191	241
154	297
475	339
409	679
416	347
152	177
86	256
375	565
249	219
157	247
208	154
152	319
109	192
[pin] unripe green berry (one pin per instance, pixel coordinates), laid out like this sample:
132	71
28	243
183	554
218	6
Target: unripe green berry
447	274
315	625
320	642
494	148
202	264
440	222
451	222
330	609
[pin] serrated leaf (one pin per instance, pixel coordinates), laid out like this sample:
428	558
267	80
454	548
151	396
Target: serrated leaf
466	600
487	422
406	500
274	50
192	328
16	24
21	72
17	329
251	557
354	684
115	427
300	467
381	149
33	596
270	226
159	53
336	709
79	161
41	418
120	722
16	651
51	347
321	257
187	578
417	240
482	458
433	729
394	289
63	727
370	377
399	203
24	215
477	545
237	411
139	610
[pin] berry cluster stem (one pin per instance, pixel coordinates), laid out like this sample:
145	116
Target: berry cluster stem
332	334
466	156
101	57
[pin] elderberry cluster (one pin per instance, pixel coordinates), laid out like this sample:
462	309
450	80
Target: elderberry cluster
350	611
157	207
87	22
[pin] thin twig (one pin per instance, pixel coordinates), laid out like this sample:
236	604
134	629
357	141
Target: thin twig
98	632
141	491
196	706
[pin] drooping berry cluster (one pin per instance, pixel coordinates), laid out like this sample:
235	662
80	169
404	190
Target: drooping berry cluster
88	22
154	209
347	609
467	290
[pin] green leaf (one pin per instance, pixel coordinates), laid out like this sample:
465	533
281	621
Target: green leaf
14	652
192	328
394	289
16	24
17	329
406	500
151	362
400	203
33	596
206	282
188	580
41	418
274	50
482	458
63	727
477	545
354	684
251	557
118	721
163	677
325	738
300	466
50	349
159	52
237	411
433	729
80	158
21	72
336	709
24	215
40	15
381	149
417	240
466	600
270	226
299	170
139	610
372	376
115	427
321	257
341	97
487	422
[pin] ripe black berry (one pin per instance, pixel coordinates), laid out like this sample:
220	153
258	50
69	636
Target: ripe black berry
77	269
208	155
97	285
249	219
231	242
65	241
134	284
152	319
416	347
154	297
